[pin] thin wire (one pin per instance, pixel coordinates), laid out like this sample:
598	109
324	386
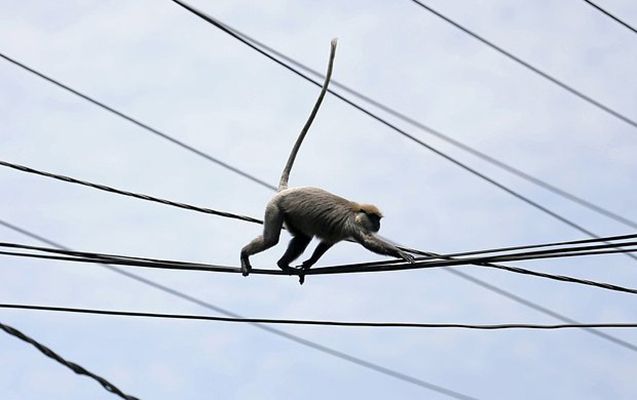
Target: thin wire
530	67
78	369
225	214
465	276
611	16
350	324
191	207
327	350
445	261
463	146
473	171
141	196
140	124
295	338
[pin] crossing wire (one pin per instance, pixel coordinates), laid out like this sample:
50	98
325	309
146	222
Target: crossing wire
139	123
278	321
463	275
528	66
352	268
443	261
222	27
463	146
78	369
141	196
361	362
625	24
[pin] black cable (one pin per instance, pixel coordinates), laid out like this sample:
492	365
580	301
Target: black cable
460	274
345	356
78	369
528	66
141	124
443	261
473	171
225	214
141	196
318	322
289	336
611	16
463	146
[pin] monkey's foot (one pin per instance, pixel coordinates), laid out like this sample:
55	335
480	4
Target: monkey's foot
245	267
302	268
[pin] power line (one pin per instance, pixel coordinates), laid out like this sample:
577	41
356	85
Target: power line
486	262
422	262
146	197
363	363
528	66
140	124
507	167
611	16
319	322
289	336
225	214
78	369
460	164
463	146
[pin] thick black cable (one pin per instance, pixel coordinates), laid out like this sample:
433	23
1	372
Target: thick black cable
463	146
141	196
462	275
460	164
289	336
78	369
492	288
278	321
140	124
443	261
225	214
625	24
528	66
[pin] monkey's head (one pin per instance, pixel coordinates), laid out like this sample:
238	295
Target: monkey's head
368	216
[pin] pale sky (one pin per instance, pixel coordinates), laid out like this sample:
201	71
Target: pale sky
161	64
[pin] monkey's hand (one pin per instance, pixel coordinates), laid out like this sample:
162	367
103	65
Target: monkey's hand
407	257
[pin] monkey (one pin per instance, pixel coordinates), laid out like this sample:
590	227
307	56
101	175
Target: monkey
309	212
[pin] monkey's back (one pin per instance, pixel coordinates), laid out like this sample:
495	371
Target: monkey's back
315	212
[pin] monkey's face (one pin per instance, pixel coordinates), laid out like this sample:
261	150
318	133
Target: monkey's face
370	221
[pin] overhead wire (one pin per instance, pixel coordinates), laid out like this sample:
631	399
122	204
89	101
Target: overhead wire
457	143
485	262
528	66
139	123
608	14
110	189
78	369
492	160
463	275
369	267
361	362
217	24
350	324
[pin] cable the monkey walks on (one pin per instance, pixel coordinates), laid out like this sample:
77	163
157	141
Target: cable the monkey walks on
309	211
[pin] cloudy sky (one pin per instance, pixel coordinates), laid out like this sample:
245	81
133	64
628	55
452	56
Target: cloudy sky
159	63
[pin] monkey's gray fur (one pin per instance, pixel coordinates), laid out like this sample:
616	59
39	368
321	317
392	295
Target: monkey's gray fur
309	211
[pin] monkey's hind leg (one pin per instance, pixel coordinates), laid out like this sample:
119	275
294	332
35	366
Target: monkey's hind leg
322	247
272	224
297	246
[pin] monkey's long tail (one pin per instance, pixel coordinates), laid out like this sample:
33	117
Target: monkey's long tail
283	182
